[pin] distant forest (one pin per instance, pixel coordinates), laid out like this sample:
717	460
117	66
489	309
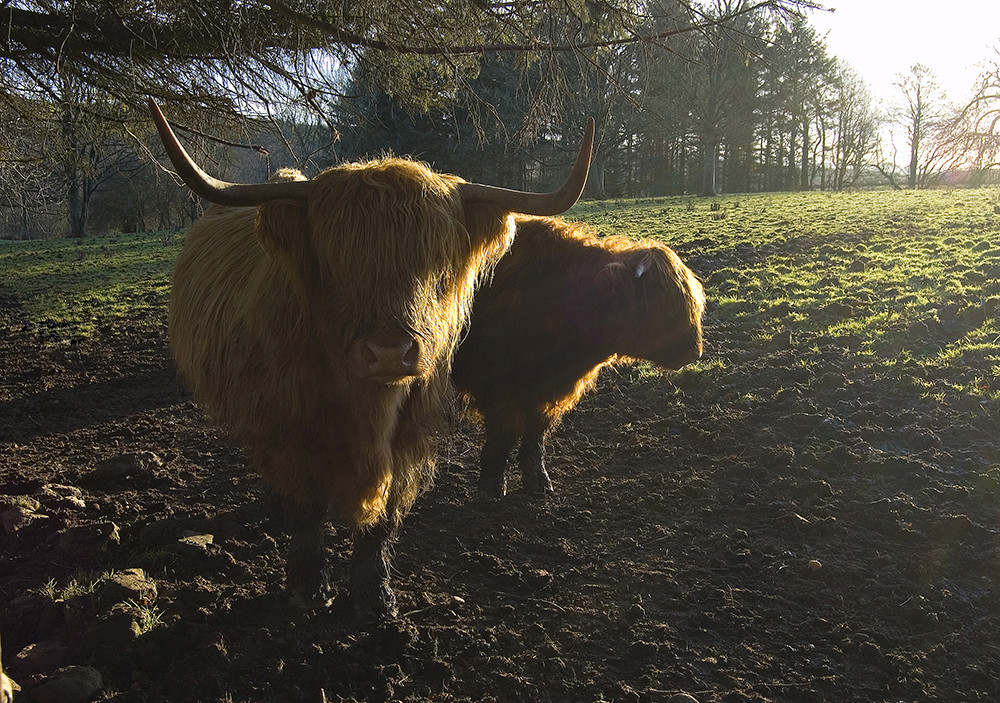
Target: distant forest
728	98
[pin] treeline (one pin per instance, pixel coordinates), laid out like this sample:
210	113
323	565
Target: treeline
755	104
751	103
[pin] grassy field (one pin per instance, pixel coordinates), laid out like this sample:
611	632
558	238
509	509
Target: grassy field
861	267
909	282
70	288
877	272
880	273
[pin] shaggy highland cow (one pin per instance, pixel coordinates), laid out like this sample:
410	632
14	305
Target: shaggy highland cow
561	305
318	320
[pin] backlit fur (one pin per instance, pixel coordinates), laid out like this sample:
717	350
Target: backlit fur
266	304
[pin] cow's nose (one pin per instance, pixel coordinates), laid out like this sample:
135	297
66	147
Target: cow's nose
389	353
390	356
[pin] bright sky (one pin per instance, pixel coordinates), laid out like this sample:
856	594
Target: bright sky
883	38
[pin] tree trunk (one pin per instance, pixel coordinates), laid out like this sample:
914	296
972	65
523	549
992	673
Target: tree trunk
792	175
915	145
595	180
76	186
682	167
804	180
767	164
708	188
77	204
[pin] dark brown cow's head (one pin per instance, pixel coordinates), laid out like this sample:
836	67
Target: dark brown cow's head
661	304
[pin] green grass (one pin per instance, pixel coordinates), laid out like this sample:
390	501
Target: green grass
80	590
82	584
74	288
147	617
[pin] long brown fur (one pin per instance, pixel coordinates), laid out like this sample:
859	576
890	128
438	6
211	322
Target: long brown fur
267	301
563	304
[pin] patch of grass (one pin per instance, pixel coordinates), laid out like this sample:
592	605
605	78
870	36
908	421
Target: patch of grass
82	584
75	288
147	617
49	589
156	560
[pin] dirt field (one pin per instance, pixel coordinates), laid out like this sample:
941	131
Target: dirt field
798	525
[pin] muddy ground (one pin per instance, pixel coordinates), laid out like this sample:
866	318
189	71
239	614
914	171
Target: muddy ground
799	525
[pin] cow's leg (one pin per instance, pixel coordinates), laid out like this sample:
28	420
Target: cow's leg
531	456
500	441
306	576
371	597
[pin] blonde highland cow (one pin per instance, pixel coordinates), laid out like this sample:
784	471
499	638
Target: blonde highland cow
318	318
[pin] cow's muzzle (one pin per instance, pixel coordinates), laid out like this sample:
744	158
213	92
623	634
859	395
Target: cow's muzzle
680	355
391	353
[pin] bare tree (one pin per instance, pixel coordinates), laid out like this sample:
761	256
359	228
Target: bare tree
919	113
31	199
855	128
973	132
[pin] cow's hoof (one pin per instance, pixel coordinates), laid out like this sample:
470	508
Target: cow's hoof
305	603
536	483
492	488
309	591
376	606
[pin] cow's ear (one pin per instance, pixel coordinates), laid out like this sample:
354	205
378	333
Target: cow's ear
283	232
283	225
642	264
615	279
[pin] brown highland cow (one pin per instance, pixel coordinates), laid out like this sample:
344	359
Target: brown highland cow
318	319
561	305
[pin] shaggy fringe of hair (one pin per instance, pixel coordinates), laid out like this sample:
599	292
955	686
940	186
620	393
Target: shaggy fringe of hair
266	303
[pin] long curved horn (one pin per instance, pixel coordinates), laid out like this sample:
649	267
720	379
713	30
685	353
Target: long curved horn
214	190
554	203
